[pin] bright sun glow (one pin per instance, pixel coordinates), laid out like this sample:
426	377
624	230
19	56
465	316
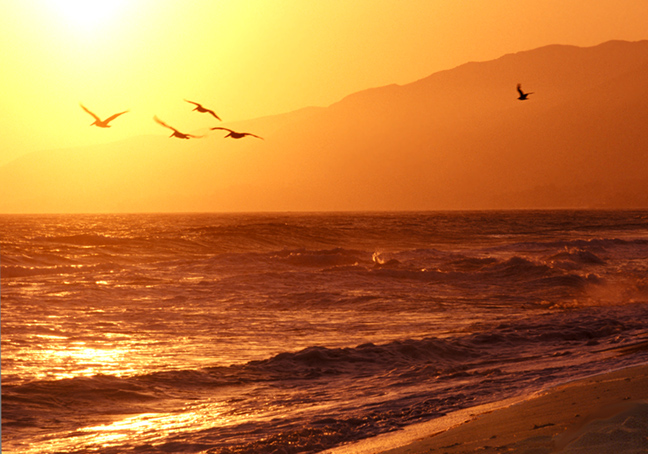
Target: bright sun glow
87	14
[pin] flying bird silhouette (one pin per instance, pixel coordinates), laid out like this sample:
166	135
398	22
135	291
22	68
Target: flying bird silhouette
98	121
523	96
176	133
202	109
238	135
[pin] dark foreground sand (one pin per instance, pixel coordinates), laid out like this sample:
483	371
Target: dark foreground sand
603	414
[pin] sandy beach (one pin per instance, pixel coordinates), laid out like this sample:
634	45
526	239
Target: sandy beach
606	413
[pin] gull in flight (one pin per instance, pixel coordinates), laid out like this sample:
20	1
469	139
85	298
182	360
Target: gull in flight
237	135
98	121
523	96
202	109
176	133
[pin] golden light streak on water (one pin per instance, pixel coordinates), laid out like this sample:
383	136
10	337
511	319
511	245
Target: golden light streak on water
89	360
143	428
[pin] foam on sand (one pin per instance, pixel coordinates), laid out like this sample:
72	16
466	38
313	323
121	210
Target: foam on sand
603	414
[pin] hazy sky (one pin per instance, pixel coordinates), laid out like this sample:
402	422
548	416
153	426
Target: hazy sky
250	58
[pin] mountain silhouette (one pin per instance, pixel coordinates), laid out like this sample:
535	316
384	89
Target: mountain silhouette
457	139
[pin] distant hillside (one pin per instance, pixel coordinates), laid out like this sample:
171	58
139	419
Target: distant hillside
458	139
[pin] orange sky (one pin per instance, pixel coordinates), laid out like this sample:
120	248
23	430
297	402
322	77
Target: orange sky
250	58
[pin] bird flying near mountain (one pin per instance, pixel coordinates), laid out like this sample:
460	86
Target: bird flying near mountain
523	96
202	109
98	121
176	133
237	135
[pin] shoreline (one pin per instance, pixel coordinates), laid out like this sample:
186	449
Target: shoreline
607	412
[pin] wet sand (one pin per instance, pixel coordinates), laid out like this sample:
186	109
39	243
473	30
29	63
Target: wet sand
602	414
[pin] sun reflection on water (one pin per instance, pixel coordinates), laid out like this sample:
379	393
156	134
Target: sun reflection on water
143	428
87	361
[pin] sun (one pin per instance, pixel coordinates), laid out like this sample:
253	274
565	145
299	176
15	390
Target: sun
87	14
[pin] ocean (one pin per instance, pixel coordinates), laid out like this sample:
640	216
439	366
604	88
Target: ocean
300	332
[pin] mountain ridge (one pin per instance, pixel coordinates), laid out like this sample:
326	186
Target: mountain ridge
456	139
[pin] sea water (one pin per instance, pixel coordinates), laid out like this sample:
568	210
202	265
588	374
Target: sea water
294	333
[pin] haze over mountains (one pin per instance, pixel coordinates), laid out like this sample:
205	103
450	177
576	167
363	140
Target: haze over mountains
458	139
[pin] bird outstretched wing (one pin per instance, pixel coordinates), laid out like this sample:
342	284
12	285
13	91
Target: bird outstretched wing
157	120
112	117
93	115
519	89
214	114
